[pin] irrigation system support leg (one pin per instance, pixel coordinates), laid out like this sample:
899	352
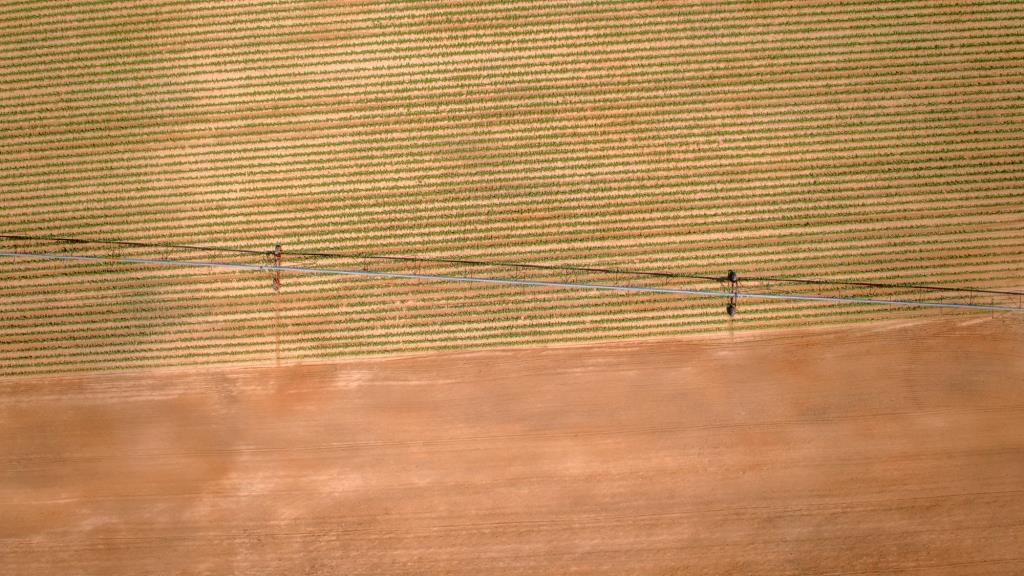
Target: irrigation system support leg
277	264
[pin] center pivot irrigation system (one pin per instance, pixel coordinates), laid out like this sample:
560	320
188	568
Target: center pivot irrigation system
274	264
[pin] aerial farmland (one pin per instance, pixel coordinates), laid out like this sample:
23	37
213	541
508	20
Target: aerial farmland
854	153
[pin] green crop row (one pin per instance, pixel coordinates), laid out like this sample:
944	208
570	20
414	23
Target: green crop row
484	236
582	42
547	15
401	324
896	39
434	333
322	347
744	87
539	213
389	13
380	174
684	135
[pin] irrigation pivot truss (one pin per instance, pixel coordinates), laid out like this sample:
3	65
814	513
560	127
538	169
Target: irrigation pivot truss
276	268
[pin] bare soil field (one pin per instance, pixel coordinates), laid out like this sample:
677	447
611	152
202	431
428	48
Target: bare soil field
874	449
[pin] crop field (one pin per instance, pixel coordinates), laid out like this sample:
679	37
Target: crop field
868	141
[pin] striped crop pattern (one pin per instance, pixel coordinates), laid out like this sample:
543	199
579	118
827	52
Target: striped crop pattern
877	141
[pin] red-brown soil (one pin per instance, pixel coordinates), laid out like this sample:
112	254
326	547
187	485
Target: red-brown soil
869	450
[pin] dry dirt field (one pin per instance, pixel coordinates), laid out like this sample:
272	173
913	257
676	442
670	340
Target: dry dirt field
881	449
